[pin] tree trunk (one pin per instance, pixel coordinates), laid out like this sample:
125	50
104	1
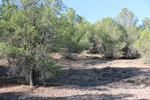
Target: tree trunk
32	77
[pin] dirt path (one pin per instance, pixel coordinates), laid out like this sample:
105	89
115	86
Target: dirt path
89	79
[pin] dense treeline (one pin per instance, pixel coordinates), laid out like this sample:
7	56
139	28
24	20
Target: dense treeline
30	29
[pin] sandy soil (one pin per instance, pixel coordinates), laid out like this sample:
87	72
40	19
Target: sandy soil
87	77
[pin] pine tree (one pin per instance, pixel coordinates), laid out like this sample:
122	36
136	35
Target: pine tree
28	32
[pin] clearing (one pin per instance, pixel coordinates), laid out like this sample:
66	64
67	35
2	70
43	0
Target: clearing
88	77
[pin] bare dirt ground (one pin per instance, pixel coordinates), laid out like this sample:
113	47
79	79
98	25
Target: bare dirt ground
88	77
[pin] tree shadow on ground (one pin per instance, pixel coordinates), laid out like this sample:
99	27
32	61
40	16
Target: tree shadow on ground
85	78
23	96
6	80
79	78
95	77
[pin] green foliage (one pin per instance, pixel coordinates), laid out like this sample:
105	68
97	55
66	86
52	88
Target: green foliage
114	43
128	21
143	45
126	17
146	23
107	38
73	31
28	31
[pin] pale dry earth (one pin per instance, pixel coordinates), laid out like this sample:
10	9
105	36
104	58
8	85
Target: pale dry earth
87	77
